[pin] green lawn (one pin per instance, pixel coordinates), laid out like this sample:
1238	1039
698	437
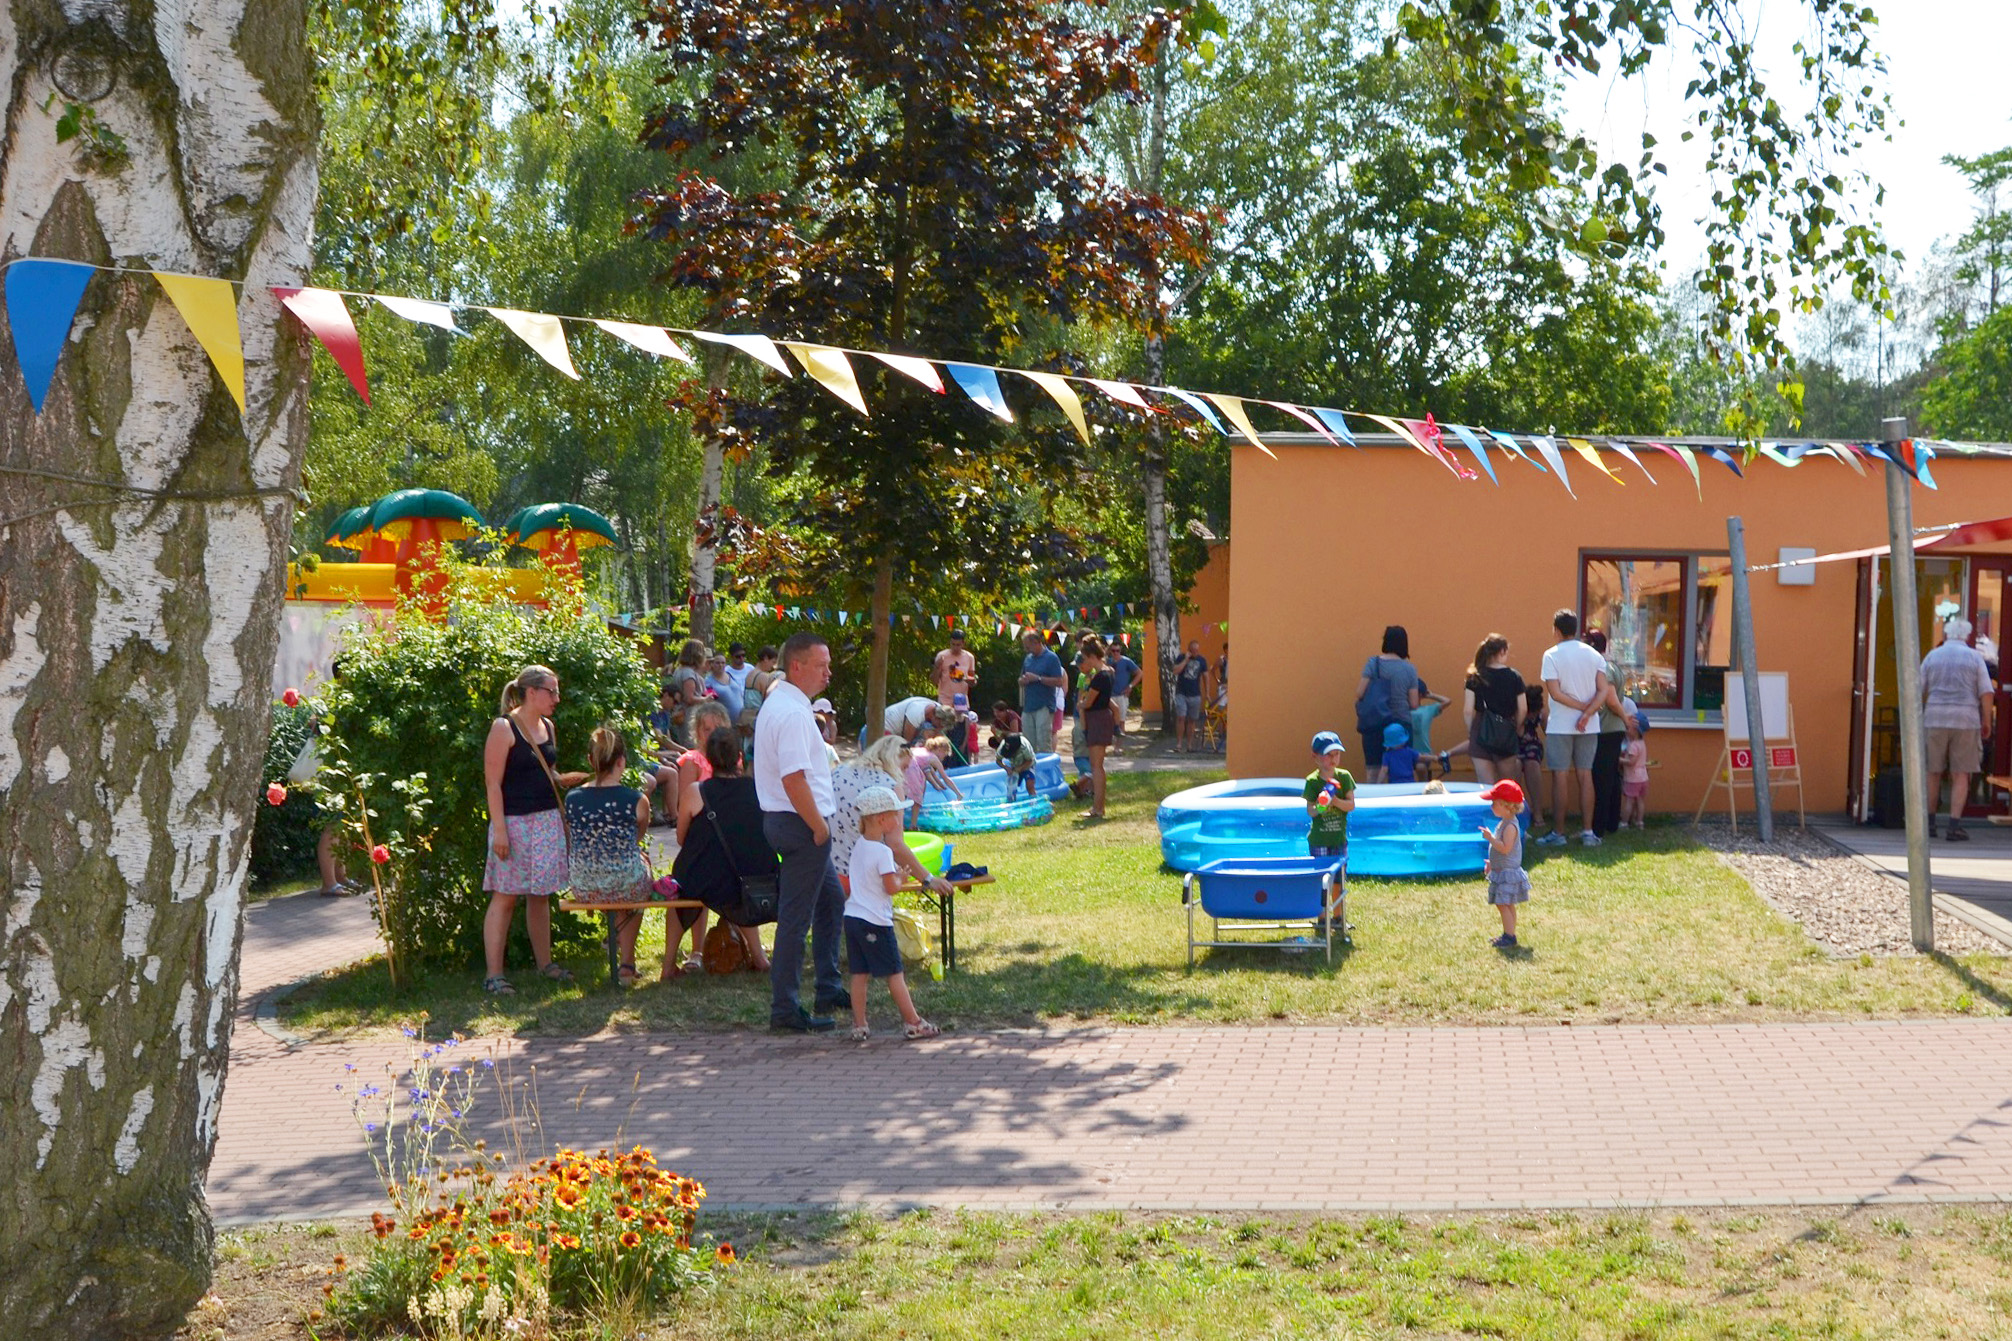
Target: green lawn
1887	1274
1085	924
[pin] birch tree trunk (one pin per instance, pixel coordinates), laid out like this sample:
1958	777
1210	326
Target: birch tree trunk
137	633
1159	544
705	535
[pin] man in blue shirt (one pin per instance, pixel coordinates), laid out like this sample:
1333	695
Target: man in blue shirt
1040	676
1124	674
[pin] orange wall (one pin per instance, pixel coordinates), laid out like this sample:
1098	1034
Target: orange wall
1209	599
1335	543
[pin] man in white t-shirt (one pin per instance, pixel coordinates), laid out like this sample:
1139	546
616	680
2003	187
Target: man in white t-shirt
912	716
1575	681
792	773
739	667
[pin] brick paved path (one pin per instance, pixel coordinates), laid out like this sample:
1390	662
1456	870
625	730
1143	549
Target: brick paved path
1219	1118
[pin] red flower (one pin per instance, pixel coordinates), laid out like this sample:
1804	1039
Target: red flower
276	794
291	698
380	854
724	1254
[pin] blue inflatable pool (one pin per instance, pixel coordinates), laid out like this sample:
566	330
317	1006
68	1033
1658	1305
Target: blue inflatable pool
985	816
989	782
1395	830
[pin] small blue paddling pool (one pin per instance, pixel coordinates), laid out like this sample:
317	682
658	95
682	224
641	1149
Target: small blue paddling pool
1396	829
990	800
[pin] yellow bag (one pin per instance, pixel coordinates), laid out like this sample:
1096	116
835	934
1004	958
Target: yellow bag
911	937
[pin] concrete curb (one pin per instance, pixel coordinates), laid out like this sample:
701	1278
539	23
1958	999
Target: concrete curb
1992	925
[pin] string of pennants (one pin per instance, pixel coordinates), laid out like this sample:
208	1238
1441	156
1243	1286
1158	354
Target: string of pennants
43	295
1001	623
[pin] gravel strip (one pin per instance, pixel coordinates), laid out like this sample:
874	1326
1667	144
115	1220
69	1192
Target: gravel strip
1841	903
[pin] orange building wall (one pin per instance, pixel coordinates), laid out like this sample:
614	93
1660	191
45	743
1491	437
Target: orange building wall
1210	599
1335	543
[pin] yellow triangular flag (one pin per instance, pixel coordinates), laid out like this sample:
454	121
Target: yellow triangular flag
543	333
650	339
1591	453
210	307
922	370
1233	410
1065	396
831	368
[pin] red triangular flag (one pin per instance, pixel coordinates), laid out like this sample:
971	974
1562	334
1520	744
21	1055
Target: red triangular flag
323	313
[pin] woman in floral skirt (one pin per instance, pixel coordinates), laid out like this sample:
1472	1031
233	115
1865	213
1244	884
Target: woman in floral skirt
527	829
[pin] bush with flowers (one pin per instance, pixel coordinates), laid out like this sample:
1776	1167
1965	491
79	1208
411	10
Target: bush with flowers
471	1251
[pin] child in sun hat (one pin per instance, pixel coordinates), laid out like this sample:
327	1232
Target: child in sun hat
1400	761
1330	795
870	948
1508	882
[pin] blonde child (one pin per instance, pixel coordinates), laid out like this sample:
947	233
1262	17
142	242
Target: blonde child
1635	772
1508	882
870	948
925	770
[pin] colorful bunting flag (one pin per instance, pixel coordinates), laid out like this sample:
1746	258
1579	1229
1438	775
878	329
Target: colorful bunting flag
922	370
42	298
1725	458
326	317
1592	453
754	346
1628	455
831	369
1404	434
1197	404
982	385
1286	407
650	339
1122	392
544	333
1516	450
1233	408
1337	421
1844	452
419	310
210	307
1548	449
1689	459
1064	395
1473	444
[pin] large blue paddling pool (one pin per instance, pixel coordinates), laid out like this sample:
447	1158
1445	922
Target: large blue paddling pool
1395	830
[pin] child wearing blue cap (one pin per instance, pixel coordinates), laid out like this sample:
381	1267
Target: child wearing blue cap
1330	795
1400	761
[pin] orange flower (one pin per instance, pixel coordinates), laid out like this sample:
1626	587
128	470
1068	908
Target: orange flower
631	1239
569	1196
724	1254
569	1241
625	1212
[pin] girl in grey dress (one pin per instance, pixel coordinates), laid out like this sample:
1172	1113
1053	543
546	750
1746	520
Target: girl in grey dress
1508	882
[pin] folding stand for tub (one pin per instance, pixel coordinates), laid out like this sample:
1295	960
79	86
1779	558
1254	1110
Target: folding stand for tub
1268	894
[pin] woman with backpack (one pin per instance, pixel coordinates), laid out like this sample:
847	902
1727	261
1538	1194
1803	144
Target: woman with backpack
1493	708
1389	690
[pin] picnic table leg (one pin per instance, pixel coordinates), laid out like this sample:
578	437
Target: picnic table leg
614	948
946	929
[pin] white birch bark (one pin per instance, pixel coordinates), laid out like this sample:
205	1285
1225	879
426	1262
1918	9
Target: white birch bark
136	638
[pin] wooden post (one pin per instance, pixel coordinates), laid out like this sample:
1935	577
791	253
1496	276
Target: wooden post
1907	685
1749	663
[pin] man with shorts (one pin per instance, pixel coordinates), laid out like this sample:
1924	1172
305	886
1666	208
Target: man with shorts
954	673
1040	676
1575	681
1957	699
1191	676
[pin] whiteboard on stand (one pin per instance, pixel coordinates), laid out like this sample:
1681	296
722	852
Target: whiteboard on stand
1774	706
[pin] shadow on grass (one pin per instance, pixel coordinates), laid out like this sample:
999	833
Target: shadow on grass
1989	991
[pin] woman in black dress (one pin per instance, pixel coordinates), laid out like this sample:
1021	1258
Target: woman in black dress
1099	727
705	869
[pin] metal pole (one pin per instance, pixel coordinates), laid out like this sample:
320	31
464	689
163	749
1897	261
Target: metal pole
1749	662
1907	686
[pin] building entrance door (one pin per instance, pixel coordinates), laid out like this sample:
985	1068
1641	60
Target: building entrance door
1990	585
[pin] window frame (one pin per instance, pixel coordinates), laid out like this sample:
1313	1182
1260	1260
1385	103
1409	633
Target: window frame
1687	655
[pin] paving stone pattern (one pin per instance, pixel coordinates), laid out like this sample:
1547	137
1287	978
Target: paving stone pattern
1304	1118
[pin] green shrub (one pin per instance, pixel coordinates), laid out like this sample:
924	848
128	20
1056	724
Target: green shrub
417	696
284	835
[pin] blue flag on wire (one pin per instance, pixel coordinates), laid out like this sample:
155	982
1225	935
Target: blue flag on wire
42	298
982	385
1466	435
1337	423
1725	458
1198	405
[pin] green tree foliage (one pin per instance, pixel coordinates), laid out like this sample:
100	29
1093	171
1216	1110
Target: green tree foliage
936	201
1984	251
417	695
1971	396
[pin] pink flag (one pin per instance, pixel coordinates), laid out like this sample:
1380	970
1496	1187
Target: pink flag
326	317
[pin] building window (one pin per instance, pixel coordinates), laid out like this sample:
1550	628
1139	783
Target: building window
1668	620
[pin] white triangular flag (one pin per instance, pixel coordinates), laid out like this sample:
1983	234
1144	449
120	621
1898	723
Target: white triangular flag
650	339
543	333
922	370
1122	392
421	311
755	346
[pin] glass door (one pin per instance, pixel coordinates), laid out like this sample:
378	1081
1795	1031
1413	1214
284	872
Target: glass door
1990	576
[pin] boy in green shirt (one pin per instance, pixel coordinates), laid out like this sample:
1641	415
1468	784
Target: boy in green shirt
1330	795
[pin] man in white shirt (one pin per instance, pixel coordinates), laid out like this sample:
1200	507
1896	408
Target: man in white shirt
792	772
1575	680
911	716
739	667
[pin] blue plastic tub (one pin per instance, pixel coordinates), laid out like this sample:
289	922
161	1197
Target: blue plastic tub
1277	889
1395	830
989	782
981	815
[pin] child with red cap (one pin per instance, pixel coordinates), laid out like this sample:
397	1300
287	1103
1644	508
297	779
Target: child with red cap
1508	882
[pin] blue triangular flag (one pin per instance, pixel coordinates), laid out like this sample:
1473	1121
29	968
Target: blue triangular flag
1198	405
42	298
1337	423
1466	435
982	385
1725	458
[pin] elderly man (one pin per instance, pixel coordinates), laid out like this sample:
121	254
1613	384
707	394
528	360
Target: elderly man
1957	711
1040	676
792	775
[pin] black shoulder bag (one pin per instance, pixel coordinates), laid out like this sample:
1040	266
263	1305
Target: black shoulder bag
758	894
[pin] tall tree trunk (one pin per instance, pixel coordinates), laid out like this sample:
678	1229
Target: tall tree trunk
137	635
1159	545
705	535
883	638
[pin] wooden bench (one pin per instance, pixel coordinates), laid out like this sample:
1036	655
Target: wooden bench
614	908
946	912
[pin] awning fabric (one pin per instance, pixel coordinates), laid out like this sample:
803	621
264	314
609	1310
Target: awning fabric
1954	537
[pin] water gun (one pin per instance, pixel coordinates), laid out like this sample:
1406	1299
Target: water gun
1329	794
